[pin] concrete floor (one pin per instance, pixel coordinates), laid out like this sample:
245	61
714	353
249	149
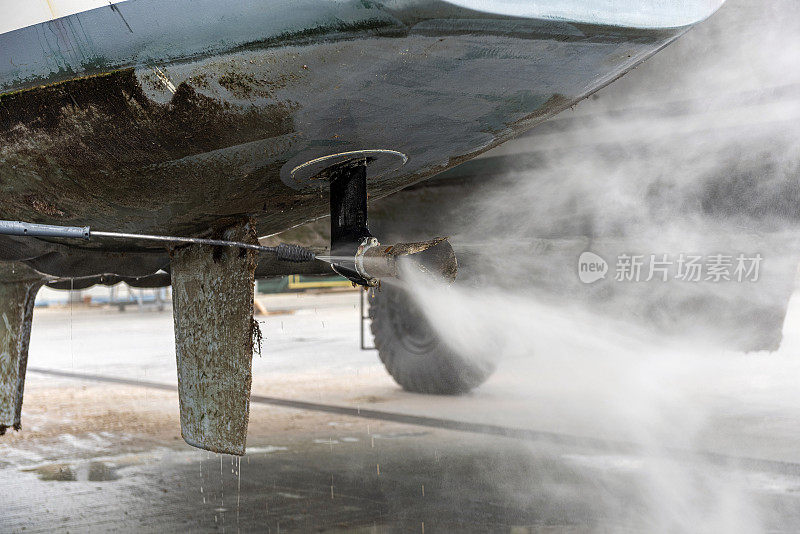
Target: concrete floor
95	456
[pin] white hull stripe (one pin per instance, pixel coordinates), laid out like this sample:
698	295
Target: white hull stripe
629	13
16	14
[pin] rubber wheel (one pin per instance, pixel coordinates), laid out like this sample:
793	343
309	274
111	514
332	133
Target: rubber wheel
413	353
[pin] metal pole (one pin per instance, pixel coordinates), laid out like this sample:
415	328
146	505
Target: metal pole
364	318
285	252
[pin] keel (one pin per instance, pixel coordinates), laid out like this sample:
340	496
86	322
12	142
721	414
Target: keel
213	312
18	288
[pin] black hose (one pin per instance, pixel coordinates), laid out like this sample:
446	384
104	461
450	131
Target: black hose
294	253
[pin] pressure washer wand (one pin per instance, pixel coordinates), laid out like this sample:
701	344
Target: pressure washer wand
284	252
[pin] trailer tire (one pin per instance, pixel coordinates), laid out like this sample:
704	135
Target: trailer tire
412	352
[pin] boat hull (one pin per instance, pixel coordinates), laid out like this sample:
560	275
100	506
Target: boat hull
177	134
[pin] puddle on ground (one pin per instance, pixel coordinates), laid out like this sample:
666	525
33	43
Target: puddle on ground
82	472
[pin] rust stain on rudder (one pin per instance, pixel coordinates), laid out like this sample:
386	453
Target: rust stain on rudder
213	311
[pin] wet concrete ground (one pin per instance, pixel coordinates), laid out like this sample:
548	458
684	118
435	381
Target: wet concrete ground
396	480
95	456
